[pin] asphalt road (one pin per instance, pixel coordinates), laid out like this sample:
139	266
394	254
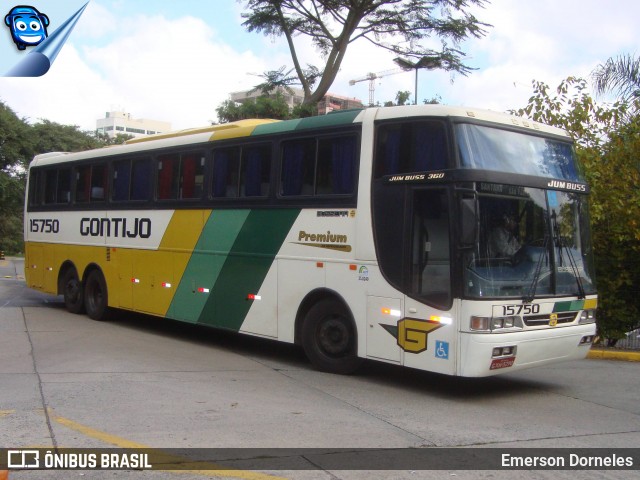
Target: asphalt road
141	382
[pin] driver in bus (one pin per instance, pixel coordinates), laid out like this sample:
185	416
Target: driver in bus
503	242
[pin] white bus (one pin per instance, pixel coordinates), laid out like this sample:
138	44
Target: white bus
451	240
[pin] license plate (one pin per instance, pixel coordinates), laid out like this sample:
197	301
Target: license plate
502	363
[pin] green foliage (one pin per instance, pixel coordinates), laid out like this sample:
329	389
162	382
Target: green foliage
263	107
621	75
403	97
399	26
15	149
608	148
19	143
50	137
11	198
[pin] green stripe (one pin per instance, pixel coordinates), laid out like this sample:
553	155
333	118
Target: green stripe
569	306
331	120
245	268
206	262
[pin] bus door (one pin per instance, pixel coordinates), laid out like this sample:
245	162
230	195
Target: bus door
428	332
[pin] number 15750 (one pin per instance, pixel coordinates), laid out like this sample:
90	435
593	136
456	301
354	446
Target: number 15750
529	309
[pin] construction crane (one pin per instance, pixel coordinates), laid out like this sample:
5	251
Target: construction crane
372	77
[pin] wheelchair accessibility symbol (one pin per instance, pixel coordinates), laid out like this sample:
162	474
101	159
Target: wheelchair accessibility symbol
442	349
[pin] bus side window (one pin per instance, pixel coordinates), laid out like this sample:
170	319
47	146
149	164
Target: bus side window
430	146
57	188
226	168
411	147
50	182
35	187
191	175
140	180
388	151
91	183
256	171
121	178
167	186
335	167
298	167
64	186
98	183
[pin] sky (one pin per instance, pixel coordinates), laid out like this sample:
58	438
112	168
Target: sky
176	61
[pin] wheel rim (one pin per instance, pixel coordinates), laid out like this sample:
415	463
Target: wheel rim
94	299
334	336
72	290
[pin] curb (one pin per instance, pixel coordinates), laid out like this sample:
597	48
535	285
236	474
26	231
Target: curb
614	355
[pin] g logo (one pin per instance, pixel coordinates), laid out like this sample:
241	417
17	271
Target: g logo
412	334
553	319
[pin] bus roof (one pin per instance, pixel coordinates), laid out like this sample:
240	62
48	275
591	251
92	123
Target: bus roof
255	127
466	113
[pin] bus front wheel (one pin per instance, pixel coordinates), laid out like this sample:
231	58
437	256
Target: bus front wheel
95	296
329	338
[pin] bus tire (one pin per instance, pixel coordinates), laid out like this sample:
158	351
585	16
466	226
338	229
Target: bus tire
329	338
72	291
95	296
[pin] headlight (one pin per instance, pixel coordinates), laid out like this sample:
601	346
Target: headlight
492	324
588	316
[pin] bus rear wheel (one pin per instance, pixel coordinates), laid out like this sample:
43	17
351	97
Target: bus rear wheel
95	296
329	338
72	291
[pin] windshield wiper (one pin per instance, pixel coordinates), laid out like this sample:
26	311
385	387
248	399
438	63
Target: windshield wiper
531	294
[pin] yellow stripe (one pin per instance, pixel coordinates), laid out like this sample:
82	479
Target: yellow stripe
240	128
199	468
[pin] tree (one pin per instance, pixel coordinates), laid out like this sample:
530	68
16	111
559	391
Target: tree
398	26
608	148
263	107
620	75
19	143
15	149
15	153
403	97
48	136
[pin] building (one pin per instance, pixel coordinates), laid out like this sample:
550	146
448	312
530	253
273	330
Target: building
295	96
121	122
331	102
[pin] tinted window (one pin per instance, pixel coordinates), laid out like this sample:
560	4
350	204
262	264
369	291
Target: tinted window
121	179
241	172
168	171
255	171
131	180
91	183
226	173
180	176
410	147
324	166
57	187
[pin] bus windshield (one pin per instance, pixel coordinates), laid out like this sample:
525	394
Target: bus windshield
487	148
533	242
